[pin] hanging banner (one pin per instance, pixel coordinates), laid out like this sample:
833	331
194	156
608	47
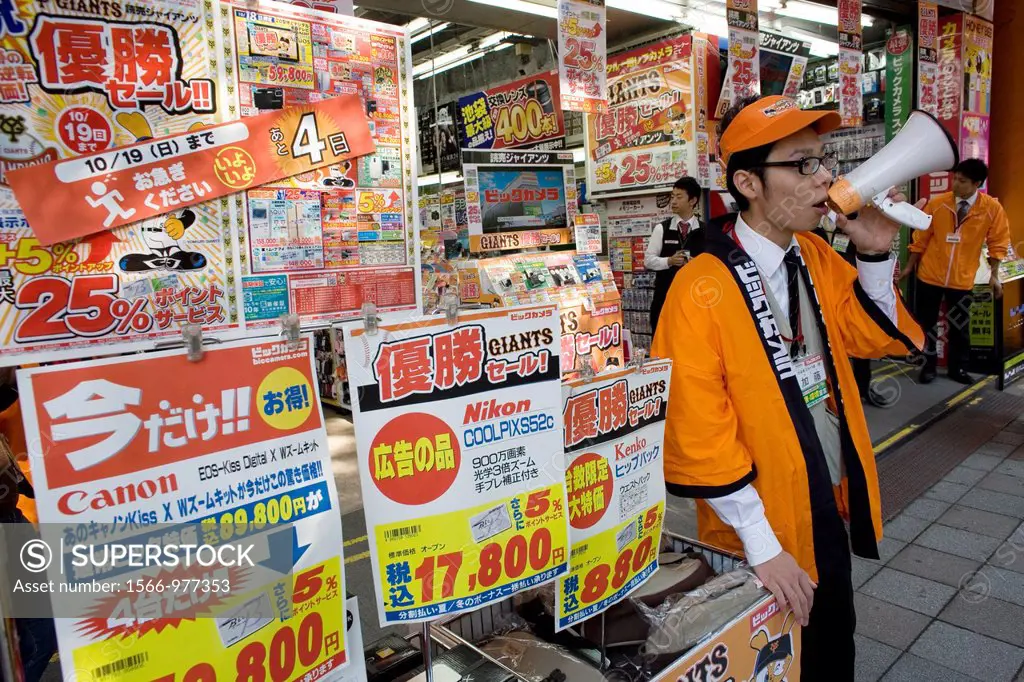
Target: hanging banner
95	192
90	79
783	63
178	453
588	233
851	64
899	78
523	113
519	199
974	136
978	37
458	435
646	139
743	76
615	484
341	234
951	72
582	55
928	57
438	132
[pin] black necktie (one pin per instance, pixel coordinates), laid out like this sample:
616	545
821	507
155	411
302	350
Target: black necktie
792	261
961	213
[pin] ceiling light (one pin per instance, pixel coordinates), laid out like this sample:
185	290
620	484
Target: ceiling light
707	22
429	32
659	9
808	11
446	178
820	47
461	55
523	6
417	24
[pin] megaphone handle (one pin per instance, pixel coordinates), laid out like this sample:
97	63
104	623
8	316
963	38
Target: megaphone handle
901	212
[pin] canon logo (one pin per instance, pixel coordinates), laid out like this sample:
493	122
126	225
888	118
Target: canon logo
78	501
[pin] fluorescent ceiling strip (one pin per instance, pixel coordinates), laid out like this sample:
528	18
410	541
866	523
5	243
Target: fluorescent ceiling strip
429	32
821	47
458	62
522	6
808	11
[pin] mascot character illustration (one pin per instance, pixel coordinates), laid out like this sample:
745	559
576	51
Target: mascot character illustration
161	233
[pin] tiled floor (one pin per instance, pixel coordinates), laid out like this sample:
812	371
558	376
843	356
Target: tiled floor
948	604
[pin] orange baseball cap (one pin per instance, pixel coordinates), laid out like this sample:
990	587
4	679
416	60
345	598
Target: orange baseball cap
770	119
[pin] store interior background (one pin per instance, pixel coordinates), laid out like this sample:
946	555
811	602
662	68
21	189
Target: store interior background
474	44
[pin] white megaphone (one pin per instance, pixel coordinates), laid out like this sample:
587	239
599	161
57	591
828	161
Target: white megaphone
923	146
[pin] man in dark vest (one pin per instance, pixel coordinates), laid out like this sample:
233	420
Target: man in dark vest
673	242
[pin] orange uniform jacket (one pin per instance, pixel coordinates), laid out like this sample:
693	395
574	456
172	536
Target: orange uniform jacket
737	415
12	428
954	265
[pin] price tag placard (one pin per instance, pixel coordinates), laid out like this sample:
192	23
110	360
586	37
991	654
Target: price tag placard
615	486
458	433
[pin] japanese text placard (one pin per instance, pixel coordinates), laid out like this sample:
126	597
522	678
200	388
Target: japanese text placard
82	78
458	435
234	442
743	77
100	191
523	113
615	483
582	55
851	64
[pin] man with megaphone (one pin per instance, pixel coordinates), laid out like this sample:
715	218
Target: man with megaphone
765	427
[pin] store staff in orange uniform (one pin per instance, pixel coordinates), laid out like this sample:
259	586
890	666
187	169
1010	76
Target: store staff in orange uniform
947	257
765	427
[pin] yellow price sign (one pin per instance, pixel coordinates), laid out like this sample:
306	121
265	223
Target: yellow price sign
463	559
609	565
284	640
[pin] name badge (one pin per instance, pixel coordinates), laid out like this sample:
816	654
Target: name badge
840	243
671	241
953	237
810	372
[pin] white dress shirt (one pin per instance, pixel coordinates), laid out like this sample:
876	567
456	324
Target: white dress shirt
743	509
652	259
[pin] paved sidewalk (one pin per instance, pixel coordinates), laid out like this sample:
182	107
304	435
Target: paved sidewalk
946	601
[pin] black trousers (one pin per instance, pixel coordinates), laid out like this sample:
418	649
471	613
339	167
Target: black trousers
927	300
827	650
862	373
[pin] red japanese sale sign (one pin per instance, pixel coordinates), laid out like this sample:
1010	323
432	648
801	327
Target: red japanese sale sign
458	434
615	482
851	63
523	113
176	453
582	53
96	192
743	77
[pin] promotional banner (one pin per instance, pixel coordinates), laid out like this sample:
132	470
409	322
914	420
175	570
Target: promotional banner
974	135
783	63
928	57
438	131
95	192
519	199
978	43
851	64
743	76
591	334
196	453
951	73
582	55
899	79
646	138
588	233
60	98
458	435
523	113
615	483
341	234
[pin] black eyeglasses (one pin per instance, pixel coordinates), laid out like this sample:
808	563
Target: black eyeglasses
808	165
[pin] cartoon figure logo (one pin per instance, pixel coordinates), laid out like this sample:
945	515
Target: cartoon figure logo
774	656
161	233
